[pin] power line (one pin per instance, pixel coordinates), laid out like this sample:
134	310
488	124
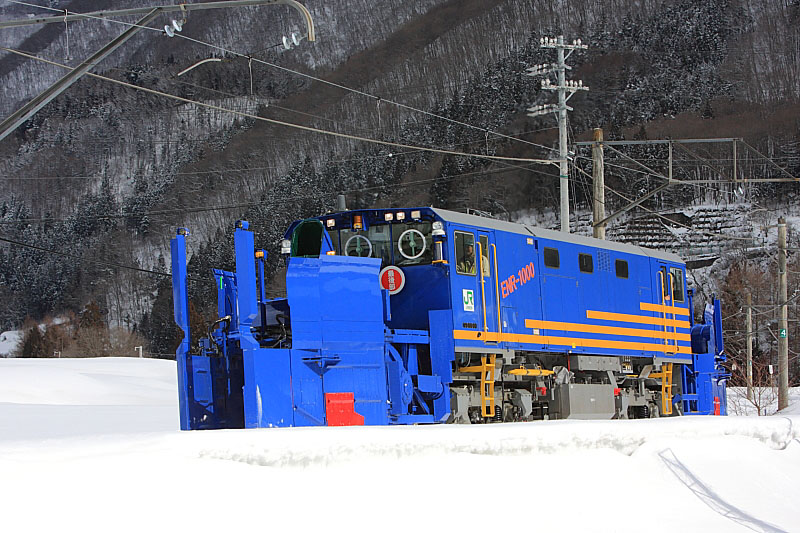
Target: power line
662	217
253	169
309	76
362	93
288	124
325	194
72	256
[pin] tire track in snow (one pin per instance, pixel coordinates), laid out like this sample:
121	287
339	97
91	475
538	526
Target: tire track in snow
711	498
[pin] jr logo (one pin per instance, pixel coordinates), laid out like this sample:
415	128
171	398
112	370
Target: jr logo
469	300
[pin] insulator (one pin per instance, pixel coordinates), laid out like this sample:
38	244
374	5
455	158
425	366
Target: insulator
498	414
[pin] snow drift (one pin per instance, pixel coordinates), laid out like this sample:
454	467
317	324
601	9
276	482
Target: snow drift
95	443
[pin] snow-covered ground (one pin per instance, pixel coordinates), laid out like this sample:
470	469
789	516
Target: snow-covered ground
93	445
9	340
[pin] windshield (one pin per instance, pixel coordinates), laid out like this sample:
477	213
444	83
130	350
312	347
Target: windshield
399	243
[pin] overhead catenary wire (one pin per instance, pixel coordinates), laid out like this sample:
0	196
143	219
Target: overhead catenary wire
356	91
368	95
224	170
289	124
73	256
250	57
662	217
243	205
308	128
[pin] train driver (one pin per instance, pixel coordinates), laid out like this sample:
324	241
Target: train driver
467	263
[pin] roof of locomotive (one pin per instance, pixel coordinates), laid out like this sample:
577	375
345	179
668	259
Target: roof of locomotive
513	227
524	229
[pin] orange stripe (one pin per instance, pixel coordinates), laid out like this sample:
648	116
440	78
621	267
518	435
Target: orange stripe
491	336
664	309
605	330
637	319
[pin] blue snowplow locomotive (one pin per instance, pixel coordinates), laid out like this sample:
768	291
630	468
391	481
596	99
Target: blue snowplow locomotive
407	316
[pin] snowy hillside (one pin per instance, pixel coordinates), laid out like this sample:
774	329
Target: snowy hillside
96	439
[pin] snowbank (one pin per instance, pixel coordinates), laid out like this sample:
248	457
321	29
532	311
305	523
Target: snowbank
685	474
9	340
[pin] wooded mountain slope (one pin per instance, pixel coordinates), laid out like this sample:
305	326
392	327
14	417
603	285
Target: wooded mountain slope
105	172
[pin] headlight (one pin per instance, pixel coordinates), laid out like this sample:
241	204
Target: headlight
286	246
438	229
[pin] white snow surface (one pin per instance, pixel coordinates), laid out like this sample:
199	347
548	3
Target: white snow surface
9	340
93	445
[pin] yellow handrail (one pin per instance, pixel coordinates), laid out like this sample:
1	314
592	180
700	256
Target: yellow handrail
672	304
479	266
663	303
497	289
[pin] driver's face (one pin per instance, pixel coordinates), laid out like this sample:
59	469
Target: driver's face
470	251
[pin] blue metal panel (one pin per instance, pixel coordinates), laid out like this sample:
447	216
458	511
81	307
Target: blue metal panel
302	289
180	299
269	387
337	316
364	374
227	296
427	287
351	304
264	370
307	393
442	354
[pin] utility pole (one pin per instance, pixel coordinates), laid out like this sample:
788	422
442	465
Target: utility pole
598	180
563	87
749	346
783	334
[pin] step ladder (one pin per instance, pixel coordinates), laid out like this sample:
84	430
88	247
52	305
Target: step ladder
486	368
665	375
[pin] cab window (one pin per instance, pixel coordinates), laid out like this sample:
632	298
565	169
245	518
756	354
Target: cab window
677	283
412	243
401	244
465	253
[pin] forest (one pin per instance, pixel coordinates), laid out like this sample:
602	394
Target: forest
95	183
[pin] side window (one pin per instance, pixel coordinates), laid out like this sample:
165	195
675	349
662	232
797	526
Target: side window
622	268
484	240
677	283
551	258
585	263
465	253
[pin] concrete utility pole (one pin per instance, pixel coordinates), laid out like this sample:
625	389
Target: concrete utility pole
563	87
598	180
783	334
749	346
